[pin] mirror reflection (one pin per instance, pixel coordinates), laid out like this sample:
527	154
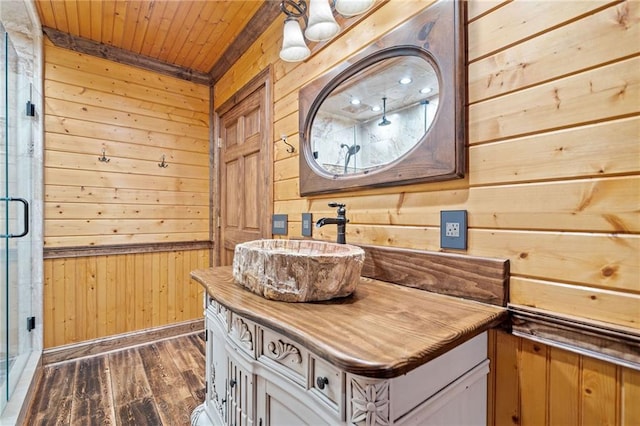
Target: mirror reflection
376	116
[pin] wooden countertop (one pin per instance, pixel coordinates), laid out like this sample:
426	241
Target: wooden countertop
382	330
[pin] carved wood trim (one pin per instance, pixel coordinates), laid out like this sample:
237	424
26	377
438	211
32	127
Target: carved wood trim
370	402
481	279
224	315
100	50
281	350
242	334
82	251
608	342
212	378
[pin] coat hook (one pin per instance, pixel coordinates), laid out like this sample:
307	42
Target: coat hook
291	149
164	164
104	158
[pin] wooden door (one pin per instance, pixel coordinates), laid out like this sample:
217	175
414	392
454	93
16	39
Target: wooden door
244	178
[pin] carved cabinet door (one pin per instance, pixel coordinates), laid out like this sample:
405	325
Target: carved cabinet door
240	395
276	406
217	380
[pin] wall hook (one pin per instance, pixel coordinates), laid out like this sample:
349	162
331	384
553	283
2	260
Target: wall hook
104	158
164	164
291	148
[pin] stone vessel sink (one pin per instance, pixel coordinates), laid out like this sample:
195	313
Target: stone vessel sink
298	270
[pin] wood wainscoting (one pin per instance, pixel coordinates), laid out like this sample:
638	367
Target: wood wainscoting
101	295
536	384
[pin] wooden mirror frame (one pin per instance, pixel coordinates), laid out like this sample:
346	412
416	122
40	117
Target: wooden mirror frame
436	33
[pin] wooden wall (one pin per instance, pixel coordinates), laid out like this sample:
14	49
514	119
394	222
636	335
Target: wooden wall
136	117
553	183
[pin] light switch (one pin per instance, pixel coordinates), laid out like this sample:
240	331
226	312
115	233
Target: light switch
307	224
279	224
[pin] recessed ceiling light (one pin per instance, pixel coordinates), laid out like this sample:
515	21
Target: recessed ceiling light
355	101
405	80
376	108
425	90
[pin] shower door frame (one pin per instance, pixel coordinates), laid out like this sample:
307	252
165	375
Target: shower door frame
15	176
22	26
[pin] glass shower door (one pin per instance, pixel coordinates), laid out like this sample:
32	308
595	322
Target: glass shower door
15	242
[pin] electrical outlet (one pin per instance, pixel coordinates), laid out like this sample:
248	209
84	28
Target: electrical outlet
453	229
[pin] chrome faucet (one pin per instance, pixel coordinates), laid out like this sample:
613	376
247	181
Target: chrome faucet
341	221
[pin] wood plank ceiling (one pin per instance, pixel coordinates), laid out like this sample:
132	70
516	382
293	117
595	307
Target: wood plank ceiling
193	35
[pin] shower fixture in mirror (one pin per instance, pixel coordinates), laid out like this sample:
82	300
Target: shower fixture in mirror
391	115
388	112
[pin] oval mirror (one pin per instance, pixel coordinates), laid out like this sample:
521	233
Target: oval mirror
361	127
376	116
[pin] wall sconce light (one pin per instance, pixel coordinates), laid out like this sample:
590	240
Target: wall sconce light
319	26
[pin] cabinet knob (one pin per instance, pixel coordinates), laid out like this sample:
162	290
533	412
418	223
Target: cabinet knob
232	383
321	382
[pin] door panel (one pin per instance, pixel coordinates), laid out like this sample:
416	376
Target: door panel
252	200
231	135
252	122
240	395
276	407
245	181
233	200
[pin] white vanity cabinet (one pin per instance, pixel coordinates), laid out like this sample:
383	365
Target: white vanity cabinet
386	355
258	376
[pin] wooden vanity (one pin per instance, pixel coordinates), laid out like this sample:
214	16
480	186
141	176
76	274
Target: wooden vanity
387	354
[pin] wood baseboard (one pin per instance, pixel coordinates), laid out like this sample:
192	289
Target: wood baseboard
119	342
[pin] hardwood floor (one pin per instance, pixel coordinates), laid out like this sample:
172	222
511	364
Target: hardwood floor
155	384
